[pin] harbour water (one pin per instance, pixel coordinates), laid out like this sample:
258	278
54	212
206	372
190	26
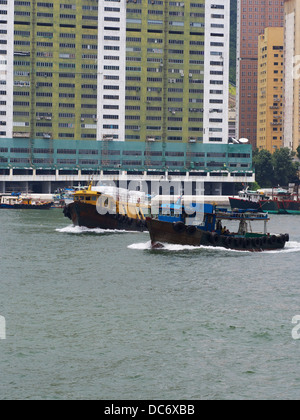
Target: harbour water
99	315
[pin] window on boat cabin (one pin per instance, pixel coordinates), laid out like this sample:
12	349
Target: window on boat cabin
87	198
210	219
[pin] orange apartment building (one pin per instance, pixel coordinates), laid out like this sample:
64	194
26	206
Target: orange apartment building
270	89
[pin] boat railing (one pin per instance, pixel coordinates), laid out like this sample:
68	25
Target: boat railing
242	215
123	195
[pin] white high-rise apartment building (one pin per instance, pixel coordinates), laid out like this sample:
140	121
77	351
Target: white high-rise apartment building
216	70
6	67
126	70
111	69
188	43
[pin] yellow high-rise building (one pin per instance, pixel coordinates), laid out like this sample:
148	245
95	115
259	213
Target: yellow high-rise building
291	110
270	90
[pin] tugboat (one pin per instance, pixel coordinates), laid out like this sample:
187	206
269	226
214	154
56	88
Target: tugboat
15	201
108	208
281	202
183	230
248	200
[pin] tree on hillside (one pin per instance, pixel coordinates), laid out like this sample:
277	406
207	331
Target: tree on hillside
264	172
285	169
277	169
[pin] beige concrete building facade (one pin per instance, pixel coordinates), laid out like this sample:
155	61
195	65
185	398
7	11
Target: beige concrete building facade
291	112
270	89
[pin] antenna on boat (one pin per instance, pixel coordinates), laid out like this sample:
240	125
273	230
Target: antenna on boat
91	181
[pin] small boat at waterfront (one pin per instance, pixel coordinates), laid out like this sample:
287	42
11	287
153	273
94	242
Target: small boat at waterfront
248	200
280	202
288	202
183	230
63	196
16	201
107	207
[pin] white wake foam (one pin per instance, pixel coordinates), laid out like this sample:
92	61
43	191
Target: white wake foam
289	247
81	229
165	247
141	246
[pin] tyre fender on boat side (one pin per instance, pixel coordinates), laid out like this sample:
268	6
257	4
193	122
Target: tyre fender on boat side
253	243
280	239
67	212
223	240
258	243
236	242
191	230
248	243
209	237
228	242
244	243
179	227
215	238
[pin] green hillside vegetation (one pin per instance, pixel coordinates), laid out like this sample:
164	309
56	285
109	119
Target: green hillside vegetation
233	27
278	169
232	90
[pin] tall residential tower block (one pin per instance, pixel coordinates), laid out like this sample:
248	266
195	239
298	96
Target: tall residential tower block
292	75
253	18
126	70
270	90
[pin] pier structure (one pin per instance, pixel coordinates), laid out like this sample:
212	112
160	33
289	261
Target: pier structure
31	166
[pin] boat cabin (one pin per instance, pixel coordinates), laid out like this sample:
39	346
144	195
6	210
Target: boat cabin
9	200
200	215
253	196
208	218
26	201
244	219
113	200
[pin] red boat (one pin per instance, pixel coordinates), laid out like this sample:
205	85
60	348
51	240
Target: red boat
281	202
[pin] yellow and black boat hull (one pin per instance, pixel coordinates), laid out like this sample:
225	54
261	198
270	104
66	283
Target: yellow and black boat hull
87	215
